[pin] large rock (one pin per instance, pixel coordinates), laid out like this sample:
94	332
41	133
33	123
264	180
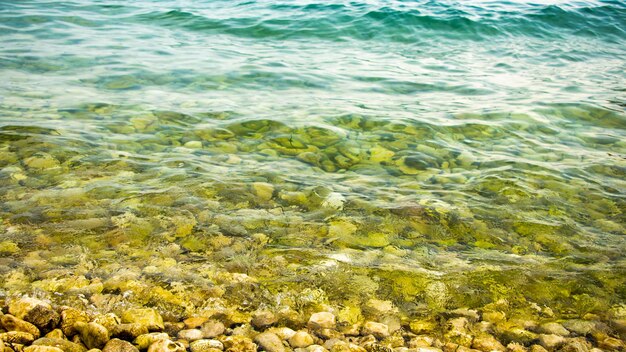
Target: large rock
36	312
148	317
69	317
580	327
93	335
167	346
269	342
56	334
322	320
65	345
117	345
128	332
11	323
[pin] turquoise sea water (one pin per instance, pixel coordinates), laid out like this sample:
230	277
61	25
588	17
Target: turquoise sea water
438	154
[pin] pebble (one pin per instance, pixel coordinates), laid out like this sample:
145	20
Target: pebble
301	339
148	317
269	342
93	335
11	323
194	322
263	319
166	345
36	312
283	333
144	341
551	341
487	343
69	317
56	334
580	327
117	345
380	331
128	332
322	320
212	328
553	329
206	346
239	344
190	335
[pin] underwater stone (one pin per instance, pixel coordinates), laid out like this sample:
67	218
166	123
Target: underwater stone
487	343
580	327
263	190
212	328
128	332
206	346
109	320
69	317
56	334
35	311
166	345
238	344
380	331
537	348
41	349
301	339
190	335
611	344
11	323
578	344
193	145
376	308
19	337
551	341
65	345
283	333
41	161
117	345
553	329
322	320
263	319
334	200
8	248
144	341
269	342
148	317
93	335
422	326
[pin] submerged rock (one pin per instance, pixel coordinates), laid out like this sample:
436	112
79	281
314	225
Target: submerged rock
379	330
263	319
117	345
144	341
11	323
17	337
34	348
66	346
322	320
93	335
69	317
35	311
128	332
166	345
269	342
212	328
147	317
206	346
301	339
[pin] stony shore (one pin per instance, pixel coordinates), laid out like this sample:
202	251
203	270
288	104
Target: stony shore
33	325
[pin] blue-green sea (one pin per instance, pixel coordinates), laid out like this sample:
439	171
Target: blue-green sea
306	155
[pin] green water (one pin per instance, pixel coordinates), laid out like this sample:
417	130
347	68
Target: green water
435	154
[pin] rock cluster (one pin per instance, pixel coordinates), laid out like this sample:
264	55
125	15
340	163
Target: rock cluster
32	325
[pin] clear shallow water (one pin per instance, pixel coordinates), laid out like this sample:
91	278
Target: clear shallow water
437	154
